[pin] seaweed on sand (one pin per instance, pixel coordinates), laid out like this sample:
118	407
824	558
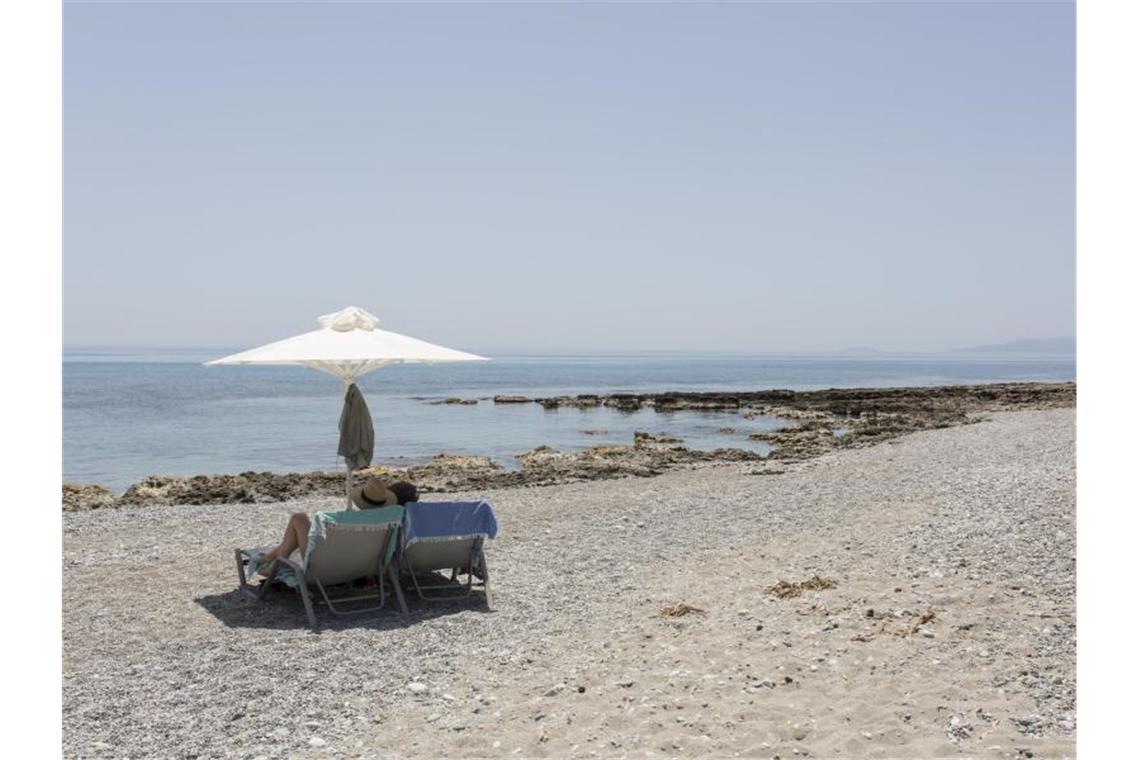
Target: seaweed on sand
788	590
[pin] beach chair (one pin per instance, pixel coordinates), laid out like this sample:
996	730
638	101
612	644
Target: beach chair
343	547
447	535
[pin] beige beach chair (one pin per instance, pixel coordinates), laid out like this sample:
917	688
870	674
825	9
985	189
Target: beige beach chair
343	547
447	536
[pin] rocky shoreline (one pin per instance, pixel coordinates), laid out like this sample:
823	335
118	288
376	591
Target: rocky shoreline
819	421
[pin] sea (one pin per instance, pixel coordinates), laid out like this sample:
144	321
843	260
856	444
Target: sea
130	413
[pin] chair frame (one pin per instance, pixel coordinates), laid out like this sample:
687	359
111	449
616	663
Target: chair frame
476	560
243	556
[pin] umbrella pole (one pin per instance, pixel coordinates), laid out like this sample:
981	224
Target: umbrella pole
348	467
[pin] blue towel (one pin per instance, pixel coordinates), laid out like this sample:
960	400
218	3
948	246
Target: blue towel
443	520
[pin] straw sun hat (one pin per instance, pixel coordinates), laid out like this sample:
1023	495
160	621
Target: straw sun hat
374	493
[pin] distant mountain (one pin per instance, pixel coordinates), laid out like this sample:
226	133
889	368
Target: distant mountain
1025	346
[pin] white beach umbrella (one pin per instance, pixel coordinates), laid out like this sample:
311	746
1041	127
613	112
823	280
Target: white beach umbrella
348	345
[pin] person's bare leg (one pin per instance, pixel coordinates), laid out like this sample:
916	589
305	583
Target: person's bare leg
301	524
296	537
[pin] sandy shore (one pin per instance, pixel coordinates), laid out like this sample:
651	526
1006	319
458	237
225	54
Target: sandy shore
949	630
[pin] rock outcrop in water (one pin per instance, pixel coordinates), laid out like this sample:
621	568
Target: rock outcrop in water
821	421
851	418
843	402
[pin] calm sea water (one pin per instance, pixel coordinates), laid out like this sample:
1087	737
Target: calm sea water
128	414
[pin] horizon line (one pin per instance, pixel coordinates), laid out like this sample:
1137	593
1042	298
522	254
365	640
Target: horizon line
852	351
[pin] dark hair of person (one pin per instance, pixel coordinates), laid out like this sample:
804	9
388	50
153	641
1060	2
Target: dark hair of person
405	492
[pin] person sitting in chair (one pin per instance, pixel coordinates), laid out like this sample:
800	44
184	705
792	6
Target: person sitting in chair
373	494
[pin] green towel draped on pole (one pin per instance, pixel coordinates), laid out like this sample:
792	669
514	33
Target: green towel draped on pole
357	437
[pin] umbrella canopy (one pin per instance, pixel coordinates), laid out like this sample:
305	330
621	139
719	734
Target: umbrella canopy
349	344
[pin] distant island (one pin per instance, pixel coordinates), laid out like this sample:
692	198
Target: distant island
1066	346
1026	346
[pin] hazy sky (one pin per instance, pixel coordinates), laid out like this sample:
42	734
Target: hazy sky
727	177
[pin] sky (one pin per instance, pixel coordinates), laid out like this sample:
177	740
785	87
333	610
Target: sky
728	177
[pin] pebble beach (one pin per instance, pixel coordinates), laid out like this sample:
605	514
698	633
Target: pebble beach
913	598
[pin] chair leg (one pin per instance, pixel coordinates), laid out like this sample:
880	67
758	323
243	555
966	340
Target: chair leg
303	586
243	583
394	576
416	585
486	577
258	591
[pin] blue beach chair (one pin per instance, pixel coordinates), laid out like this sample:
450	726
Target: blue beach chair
447	535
